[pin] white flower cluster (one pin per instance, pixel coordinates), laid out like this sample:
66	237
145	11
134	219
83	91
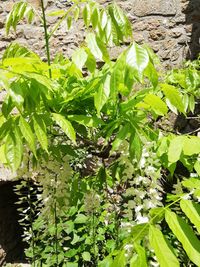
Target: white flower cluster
54	178
143	192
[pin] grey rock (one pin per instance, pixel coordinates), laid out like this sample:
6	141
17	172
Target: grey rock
154	7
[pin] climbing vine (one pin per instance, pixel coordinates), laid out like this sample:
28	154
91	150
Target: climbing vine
90	136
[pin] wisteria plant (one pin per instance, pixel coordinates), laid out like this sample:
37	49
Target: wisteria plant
84	129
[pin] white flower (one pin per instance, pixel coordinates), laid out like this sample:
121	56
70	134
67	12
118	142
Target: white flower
195	175
150	170
139	179
142	162
128	247
148	204
138	208
142	219
187	196
146	181
126	224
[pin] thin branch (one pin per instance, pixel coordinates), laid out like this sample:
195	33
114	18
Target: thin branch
194	131
46	38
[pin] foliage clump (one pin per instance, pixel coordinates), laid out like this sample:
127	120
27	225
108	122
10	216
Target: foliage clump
112	193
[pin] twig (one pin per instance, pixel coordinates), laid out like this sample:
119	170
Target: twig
46	38
194	131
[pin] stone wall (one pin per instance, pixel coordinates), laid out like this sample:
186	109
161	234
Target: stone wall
170	27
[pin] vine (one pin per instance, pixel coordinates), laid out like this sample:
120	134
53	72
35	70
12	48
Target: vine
96	148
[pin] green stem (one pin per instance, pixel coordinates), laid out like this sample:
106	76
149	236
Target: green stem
46	38
94	234
31	224
55	221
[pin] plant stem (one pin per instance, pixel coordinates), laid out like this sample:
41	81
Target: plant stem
46	38
55	221
31	223
94	235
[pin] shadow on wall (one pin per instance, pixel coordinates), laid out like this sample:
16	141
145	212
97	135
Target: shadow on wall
192	12
11	245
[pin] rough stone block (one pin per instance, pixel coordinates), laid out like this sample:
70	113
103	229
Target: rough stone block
154	7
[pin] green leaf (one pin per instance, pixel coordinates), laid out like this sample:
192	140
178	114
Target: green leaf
27	134
18	12
122	22
152	74
192	183
117	25
121	136
14	149
175	148
65	125
72	264
158	106
86	256
3	155
79	57
191	145
139	231
192	211
76	239
15	50
5	128
57	13
185	235
173	95
197	167
95	18
87	121
140	260
137	58
157	214
120	260
97	47
163	250
192	103
30	15
100	99
81	218
90	62
40	131
69	22
107	262
117	76
76	12
17	92
135	146
86	15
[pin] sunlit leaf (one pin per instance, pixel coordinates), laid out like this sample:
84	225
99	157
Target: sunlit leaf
86	120
14	150
163	250
40	131
139	260
192	211
137	58
185	235
155	102
27	134
191	145
65	125
173	95
175	148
